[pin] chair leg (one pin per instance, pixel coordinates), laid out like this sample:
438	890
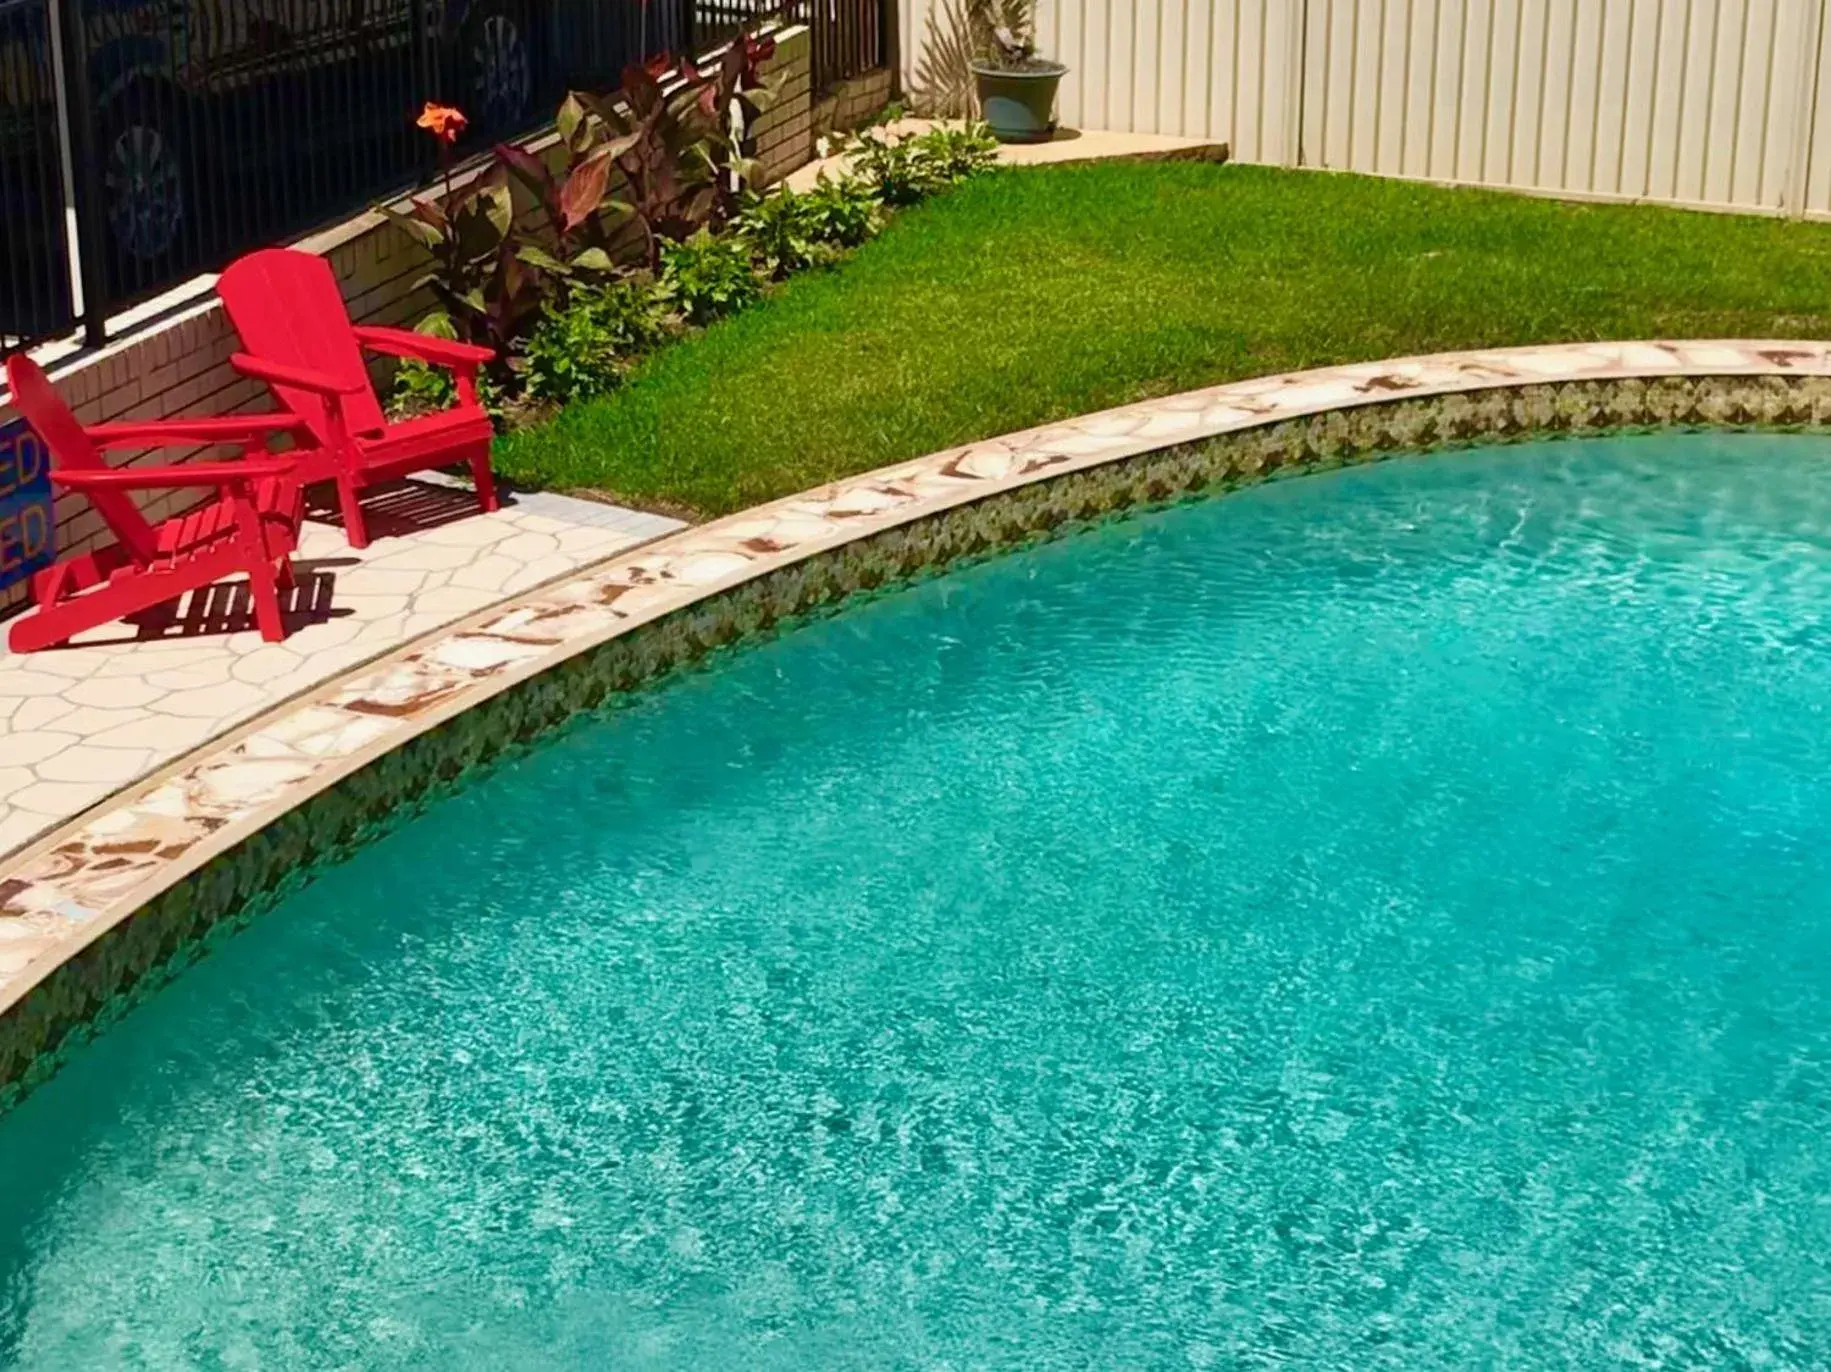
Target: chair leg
354	528
53	622
285	577
485	479
261	584
43	627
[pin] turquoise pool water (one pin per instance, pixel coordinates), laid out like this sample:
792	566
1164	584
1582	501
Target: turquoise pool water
1377	920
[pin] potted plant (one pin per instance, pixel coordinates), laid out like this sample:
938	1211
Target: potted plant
1016	88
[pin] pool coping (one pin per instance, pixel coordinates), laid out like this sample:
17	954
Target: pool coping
202	840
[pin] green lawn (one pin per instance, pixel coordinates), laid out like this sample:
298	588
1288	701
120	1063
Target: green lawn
1031	295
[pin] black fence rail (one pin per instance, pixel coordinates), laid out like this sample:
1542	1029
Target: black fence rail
160	138
35	172
849	38
718	21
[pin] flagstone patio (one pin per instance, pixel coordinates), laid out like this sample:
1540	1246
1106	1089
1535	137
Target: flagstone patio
79	723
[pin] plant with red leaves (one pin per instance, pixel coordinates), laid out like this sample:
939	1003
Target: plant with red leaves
489	288
676	134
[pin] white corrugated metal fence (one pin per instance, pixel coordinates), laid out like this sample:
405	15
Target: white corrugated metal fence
1720	103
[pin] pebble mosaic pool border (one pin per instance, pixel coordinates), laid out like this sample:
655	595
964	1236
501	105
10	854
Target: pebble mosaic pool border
106	908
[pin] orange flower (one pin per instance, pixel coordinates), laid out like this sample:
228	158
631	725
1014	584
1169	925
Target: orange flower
443	122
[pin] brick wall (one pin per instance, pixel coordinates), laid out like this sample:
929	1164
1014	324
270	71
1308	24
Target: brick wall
179	365
783	139
851	103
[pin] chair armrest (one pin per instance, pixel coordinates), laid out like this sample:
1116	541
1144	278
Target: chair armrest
185	474
422	346
285	374
171	433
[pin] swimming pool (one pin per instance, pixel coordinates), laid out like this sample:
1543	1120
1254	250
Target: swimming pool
1358	921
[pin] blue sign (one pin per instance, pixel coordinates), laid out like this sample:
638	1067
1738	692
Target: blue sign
26	527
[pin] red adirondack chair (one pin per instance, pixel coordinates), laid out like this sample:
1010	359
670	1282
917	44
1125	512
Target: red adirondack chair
290	314
252	526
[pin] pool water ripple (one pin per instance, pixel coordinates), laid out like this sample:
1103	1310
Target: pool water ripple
1373	920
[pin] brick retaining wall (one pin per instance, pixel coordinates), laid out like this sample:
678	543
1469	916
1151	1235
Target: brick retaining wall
852	103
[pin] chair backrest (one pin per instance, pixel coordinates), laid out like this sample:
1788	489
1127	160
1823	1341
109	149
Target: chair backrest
287	308
71	450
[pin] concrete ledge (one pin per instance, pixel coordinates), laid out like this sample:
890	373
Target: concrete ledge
1069	145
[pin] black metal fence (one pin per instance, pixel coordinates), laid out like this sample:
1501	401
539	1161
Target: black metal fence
716	21
849	38
35	167
160	138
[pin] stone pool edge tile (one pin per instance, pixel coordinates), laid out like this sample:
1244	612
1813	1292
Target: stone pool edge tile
218	832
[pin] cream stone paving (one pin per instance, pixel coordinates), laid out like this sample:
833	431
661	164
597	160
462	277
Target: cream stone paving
1068	145
84	721
68	888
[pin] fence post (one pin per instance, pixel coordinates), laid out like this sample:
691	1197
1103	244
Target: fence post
1805	102
83	215
1296	68
66	170
890	45
424	68
817	31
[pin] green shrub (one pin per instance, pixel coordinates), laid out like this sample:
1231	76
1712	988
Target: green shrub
581	349
707	278
781	232
903	170
890	166
955	153
842	213
420	388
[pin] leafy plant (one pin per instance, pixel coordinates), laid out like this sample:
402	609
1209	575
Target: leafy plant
581	214
680	150
583	348
781	233
960	34
678	146
893	113
740	94
486	285
706	278
843	212
954	153
890	165
1006	34
660	167
420	388
903	169
789	231
479	275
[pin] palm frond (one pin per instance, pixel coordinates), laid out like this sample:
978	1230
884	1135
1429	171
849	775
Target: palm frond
956	33
942	84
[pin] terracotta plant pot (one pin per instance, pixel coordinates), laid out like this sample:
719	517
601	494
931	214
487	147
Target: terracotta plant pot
1019	104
